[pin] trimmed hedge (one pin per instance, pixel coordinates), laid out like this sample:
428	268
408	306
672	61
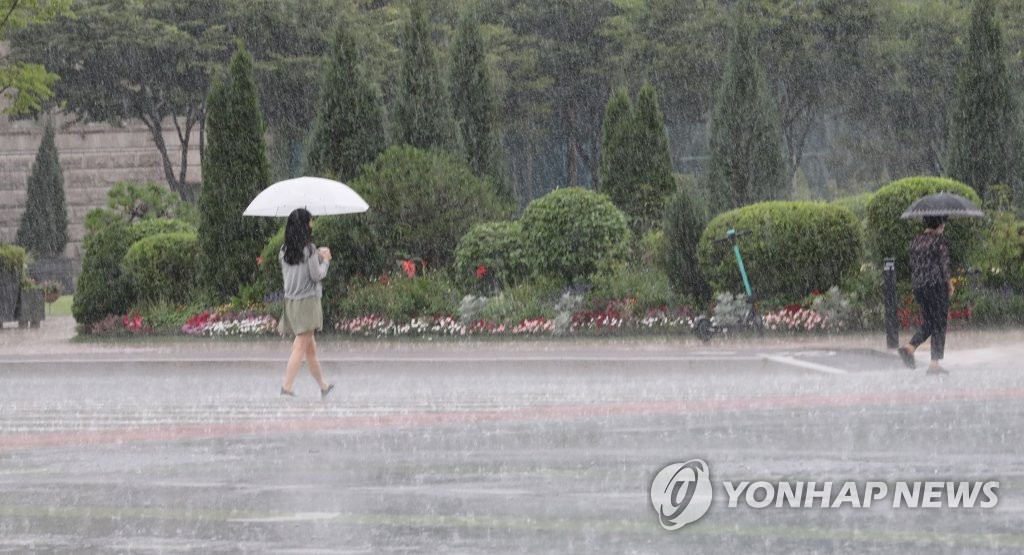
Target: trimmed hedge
163	267
12	259
1001	261
572	233
794	248
888	235
104	288
423	202
498	246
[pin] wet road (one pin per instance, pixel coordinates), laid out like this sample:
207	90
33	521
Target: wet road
490	449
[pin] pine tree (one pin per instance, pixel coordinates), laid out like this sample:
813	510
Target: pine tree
349	127
235	170
616	173
43	230
654	165
423	116
746	163
475	106
984	136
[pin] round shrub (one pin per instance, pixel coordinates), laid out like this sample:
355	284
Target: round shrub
571	233
162	267
103	287
423	202
497	246
888	235
793	249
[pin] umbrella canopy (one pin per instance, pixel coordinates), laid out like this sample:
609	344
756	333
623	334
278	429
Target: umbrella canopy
942	204
320	196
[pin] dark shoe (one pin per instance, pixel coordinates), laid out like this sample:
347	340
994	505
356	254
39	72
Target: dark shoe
326	390
938	370
908	357
287	393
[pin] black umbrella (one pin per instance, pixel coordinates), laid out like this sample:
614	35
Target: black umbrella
942	204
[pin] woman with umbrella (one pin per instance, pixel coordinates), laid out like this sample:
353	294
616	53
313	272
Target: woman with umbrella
932	280
303	267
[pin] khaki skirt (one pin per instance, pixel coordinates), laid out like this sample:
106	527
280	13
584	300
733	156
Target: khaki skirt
301	316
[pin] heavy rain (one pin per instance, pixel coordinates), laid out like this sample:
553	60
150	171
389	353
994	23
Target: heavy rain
589	276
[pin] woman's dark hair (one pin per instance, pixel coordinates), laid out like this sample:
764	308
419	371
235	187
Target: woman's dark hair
933	222
297	236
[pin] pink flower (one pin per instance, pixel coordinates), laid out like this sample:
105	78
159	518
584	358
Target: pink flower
410	268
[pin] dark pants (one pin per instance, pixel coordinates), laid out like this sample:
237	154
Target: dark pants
934	303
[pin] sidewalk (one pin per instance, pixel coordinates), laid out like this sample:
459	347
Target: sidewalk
55	339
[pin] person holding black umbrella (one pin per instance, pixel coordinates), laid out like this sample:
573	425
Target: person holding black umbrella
931	277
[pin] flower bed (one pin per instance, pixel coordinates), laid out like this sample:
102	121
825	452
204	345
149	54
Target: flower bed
212	323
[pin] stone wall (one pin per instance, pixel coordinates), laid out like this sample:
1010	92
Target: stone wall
94	157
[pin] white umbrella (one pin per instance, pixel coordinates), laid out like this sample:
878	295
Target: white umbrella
320	196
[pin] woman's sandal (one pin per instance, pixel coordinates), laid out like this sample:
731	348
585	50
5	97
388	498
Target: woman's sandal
326	390
908	358
287	393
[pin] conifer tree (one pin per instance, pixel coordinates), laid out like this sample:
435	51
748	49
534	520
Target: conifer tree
235	170
746	163
984	134
423	116
616	168
349	127
654	165
475	106
43	230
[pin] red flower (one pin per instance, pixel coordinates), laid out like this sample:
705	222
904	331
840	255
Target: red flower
410	268
481	271
259	260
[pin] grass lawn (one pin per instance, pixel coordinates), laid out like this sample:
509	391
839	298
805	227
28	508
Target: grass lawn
60	307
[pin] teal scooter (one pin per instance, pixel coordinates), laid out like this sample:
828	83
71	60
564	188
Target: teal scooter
703	326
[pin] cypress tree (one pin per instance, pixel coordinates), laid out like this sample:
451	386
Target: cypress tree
746	163
654	165
984	137
423	116
684	220
475	106
235	170
616	174
349	127
43	229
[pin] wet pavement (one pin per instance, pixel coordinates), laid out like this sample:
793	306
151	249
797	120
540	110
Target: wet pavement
471	447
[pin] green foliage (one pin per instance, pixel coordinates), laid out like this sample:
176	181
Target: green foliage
794	248
889	236
616	170
399	298
858	204
166	317
44	224
635	170
653	162
270	275
1001	259
423	114
746	163
12	259
423	202
235	170
528	300
647	287
497	246
684	221
133	201
356	250
349	127
572	233
985	138
162	267
475	106
104	288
